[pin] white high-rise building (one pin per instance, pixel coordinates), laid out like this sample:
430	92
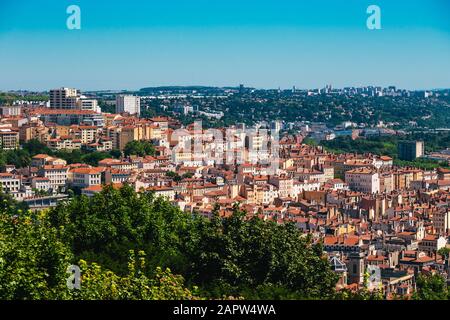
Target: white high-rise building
64	98
128	103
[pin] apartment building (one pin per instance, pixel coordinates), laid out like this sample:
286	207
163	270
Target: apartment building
363	179
128	103
163	191
68	116
432	243
40	183
40	160
86	177
410	150
116	176
10	182
284	185
33	130
57	175
9	139
66	143
64	98
441	221
11	111
87	134
89	104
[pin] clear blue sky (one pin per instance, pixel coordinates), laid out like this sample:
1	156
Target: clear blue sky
266	43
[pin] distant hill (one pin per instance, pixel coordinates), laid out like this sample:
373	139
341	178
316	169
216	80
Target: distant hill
186	89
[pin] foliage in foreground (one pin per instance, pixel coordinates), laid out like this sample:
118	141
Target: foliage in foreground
34	261
233	256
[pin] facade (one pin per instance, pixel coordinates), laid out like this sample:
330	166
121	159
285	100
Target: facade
363	179
441	221
57	175
67	117
40	183
11	111
86	177
9	139
430	244
129	104
162	191
89	104
64	98
10	182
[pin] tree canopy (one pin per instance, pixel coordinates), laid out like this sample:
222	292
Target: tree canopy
139	148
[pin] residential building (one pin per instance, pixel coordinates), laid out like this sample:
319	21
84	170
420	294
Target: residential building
129	104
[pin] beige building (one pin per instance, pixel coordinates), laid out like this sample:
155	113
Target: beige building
284	185
441	221
9	139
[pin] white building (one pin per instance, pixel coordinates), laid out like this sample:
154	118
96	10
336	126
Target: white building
86	177
57	175
40	183
89	104
10	182
11	111
128	103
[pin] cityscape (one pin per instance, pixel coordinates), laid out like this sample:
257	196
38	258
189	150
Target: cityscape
202	154
387	211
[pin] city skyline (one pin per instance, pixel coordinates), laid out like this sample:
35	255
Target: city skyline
263	45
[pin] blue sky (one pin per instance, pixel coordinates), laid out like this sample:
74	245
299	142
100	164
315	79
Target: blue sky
265	44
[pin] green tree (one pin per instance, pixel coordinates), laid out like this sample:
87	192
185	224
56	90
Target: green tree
139	148
19	158
431	287
103	228
34	147
33	259
99	284
445	251
232	255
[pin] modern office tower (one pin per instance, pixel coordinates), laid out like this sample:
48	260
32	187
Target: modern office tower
64	98
128	103
410	150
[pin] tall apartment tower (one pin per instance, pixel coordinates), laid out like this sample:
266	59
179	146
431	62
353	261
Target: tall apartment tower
410	150
64	98
128	103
